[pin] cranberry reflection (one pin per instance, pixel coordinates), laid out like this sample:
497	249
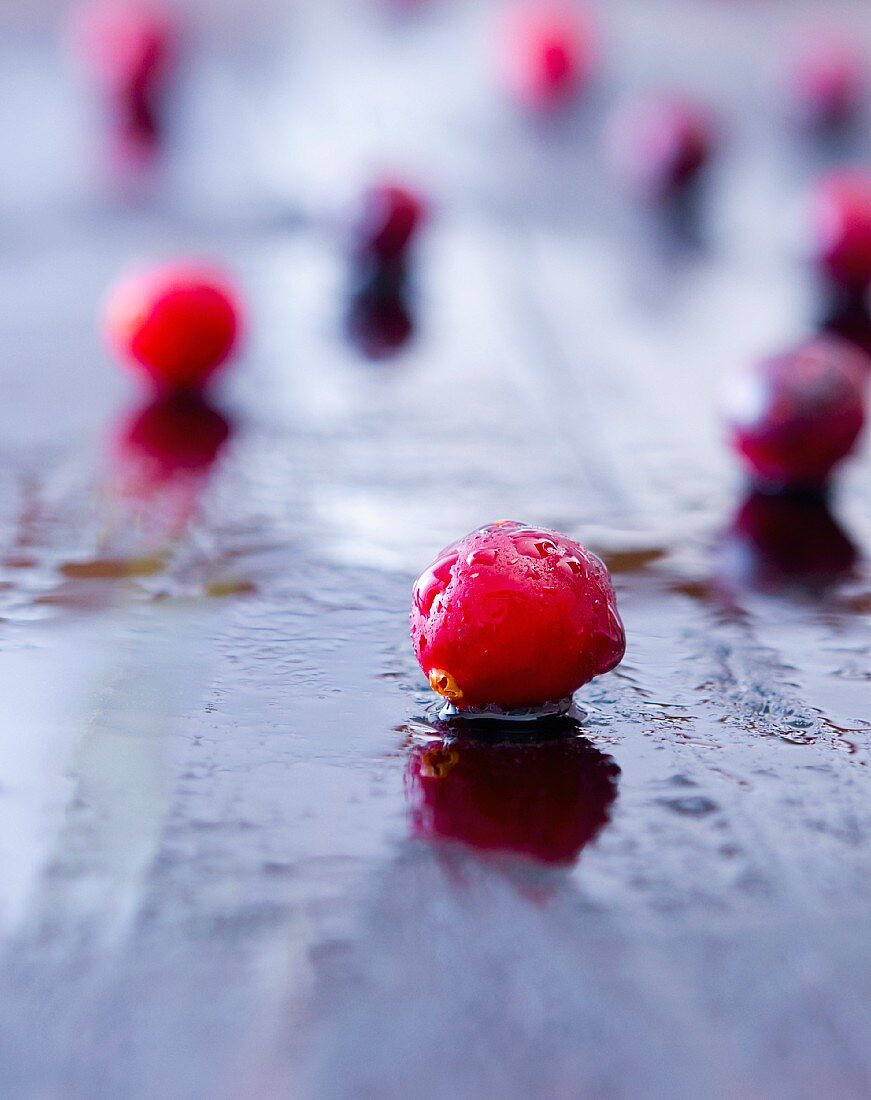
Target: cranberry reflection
165	453
785	541
379	321
544	799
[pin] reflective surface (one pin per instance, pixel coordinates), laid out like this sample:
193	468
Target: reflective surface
226	869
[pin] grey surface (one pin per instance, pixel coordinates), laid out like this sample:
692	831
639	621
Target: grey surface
210	887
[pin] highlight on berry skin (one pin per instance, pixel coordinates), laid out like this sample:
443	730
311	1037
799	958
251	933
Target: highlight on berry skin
514	618
793	418
546	53
175	325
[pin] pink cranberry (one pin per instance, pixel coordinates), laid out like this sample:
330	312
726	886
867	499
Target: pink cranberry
389	219
841	226
794	417
128	48
826	79
177	323
658	145
783	540
544	800
547	53
514	617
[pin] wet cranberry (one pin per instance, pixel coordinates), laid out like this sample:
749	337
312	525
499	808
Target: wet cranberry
826	78
794	417
547	53
545	800
841	227
177	323
128	48
658	145
784	540
514	617
389	219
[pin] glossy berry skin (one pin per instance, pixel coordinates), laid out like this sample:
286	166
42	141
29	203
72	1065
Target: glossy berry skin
658	145
547	53
389	219
826	78
543	800
176	324
785	540
841	227
514	617
794	417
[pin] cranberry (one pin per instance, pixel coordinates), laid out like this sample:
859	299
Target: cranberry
178	323
659	144
548	53
545	800
389	218
783	540
826	79
128	48
379	320
841	227
514	617
794	417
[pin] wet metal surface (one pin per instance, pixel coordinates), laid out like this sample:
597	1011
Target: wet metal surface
240	858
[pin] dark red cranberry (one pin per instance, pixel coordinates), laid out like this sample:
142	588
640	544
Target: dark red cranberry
547	53
826	78
784	540
389	219
794	417
177	323
380	322
841	227
544	800
514	617
658	145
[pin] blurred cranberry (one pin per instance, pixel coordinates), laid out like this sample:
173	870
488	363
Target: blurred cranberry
544	800
177	323
784	540
390	217
128	48
794	417
826	78
379	319
841	226
658	145
547	52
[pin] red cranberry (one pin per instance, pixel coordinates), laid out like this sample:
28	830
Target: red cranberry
659	144
128	47
548	53
514	617
389	219
841	226
781	540
178	323
544	800
794	417
826	78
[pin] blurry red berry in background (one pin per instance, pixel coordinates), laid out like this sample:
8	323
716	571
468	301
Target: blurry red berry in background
826	77
389	218
783	540
794	417
544	800
547	52
658	145
177	323
841	226
513	617
379	322
127	47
